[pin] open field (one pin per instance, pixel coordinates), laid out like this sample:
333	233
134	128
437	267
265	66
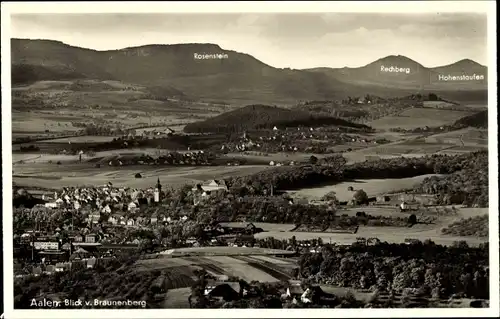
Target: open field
54	176
466	137
244	262
372	187
33	158
415	146
81	139
391	234
419	117
54	105
438	104
222	251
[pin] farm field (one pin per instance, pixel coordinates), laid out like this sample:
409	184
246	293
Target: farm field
390	234
54	105
99	156
457	150
52	176
248	267
34	122
372	187
222	251
437	104
81	139
468	136
264	226
419	117
276	157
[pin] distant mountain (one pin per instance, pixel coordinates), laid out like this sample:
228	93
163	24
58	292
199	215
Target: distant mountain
233	76
397	71
237	76
263	117
463	67
401	72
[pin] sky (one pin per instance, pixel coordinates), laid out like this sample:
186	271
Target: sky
298	41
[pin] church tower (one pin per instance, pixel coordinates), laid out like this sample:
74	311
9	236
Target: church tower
157	191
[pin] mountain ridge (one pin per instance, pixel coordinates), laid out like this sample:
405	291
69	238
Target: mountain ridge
235	76
219	47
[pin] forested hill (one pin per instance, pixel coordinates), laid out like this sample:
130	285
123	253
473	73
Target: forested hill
264	117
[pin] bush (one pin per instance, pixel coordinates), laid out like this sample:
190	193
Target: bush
477	226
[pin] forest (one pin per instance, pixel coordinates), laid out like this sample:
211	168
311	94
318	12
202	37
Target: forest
434	269
265	117
466	176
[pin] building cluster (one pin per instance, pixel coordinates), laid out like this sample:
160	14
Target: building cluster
192	158
309	140
106	199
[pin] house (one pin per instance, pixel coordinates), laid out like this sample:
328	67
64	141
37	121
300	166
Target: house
132	207
94	217
51	205
131	222
50	269
113	219
211	185
226	291
49	244
306	296
37	271
294	291
91	238
79	254
154	220
78	238
60	267
106	209
91	262
383	198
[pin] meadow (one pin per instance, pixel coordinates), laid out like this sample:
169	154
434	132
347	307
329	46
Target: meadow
372	187
52	176
419	117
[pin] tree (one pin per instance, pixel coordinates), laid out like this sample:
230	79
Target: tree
360	197
313	159
433	97
412	220
330	196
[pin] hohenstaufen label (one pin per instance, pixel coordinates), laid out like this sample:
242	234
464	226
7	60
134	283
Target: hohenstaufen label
463	77
210	56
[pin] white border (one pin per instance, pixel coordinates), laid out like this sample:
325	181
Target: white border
488	7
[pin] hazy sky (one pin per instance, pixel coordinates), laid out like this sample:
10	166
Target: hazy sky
281	40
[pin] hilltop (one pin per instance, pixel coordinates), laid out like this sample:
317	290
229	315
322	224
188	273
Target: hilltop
264	117
237	77
465	66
